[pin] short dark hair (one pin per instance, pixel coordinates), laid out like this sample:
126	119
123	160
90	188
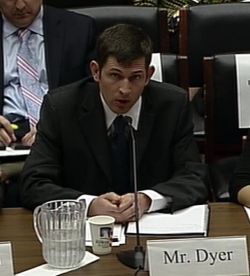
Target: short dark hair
124	42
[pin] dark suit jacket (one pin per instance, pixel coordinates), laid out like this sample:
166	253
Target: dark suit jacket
241	174
70	155
1	194
69	40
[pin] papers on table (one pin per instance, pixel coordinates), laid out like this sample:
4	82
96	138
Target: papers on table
242	73
46	270
118	235
189	221
11	152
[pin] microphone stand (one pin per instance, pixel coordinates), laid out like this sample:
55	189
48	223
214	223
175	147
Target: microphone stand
133	258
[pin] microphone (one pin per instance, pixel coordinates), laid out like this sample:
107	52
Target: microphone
133	258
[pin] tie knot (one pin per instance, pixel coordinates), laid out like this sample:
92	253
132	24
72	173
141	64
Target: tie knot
120	124
24	34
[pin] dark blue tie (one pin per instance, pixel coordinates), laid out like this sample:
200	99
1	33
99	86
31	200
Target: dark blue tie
120	155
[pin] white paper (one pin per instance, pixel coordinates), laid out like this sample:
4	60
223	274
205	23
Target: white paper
11	152
6	260
156	62
243	88
46	270
191	220
247	212
118	235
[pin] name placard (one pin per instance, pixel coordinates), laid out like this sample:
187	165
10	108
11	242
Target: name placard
6	262
198	256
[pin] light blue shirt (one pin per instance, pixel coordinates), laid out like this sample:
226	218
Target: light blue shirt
13	98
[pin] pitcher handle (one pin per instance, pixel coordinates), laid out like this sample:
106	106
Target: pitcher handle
36	222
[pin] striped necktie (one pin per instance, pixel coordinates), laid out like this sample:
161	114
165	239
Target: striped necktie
29	77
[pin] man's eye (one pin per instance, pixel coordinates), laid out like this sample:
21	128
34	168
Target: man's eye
114	76
136	77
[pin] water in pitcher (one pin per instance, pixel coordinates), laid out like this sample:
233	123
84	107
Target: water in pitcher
60	227
64	249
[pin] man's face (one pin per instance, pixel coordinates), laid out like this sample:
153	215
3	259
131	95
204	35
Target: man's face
20	13
121	85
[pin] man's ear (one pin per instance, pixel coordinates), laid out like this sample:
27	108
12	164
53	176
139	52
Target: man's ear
95	70
151	70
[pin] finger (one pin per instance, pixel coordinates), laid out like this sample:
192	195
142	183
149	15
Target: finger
5	138
127	201
28	139
6	131
129	212
133	216
112	197
102	206
122	218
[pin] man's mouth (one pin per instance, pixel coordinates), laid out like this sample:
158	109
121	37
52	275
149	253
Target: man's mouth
121	102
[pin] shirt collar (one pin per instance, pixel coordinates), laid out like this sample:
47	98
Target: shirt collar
134	113
36	26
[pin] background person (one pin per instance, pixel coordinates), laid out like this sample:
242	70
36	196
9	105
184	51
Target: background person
62	43
42	48
239	187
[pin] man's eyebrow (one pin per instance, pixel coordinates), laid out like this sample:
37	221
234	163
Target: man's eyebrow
137	72
115	69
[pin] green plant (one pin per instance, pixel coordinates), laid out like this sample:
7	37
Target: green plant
173	6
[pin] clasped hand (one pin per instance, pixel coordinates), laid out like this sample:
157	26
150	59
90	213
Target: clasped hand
122	207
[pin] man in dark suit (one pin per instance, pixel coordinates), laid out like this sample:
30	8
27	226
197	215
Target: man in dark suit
73	155
62	44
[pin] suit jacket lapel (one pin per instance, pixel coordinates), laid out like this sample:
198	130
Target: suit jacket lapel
53	43
93	127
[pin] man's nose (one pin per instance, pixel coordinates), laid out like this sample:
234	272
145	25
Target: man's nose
125	87
20	4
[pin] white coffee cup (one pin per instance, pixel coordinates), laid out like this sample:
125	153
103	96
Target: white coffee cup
101	229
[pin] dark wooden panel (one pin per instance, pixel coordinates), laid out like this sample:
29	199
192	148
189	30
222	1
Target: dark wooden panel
85	3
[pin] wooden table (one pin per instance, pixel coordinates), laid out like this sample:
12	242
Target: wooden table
226	219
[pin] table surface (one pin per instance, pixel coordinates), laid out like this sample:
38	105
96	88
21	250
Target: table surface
226	219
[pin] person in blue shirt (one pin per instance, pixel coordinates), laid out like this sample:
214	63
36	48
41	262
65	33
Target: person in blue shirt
61	43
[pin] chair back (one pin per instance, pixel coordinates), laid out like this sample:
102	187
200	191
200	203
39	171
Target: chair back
174	69
168	68
151	19
222	133
211	29
86	3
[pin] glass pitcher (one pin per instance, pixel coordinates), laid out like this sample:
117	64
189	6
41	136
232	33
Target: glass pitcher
60	227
